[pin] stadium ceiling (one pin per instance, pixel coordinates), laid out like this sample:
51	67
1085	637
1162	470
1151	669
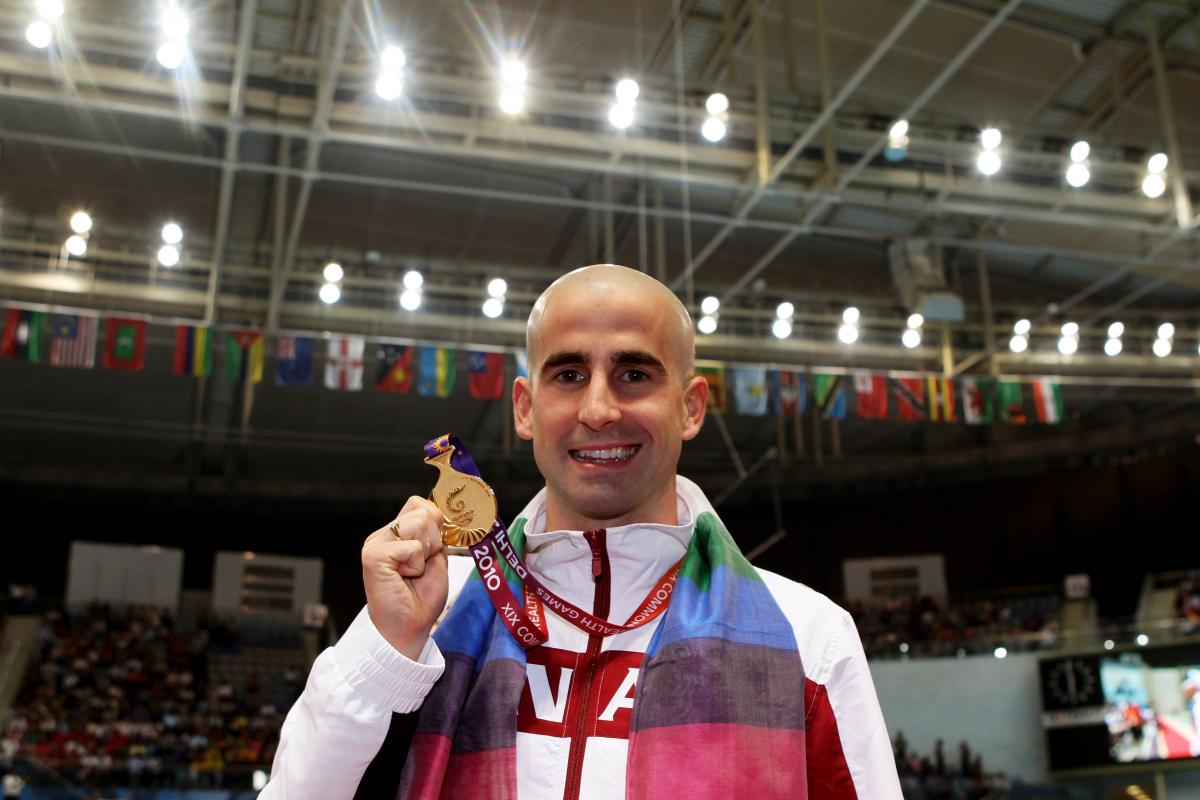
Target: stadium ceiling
271	148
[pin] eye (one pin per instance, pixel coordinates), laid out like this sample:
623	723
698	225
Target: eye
569	376
636	375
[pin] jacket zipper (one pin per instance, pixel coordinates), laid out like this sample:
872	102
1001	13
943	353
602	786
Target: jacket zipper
595	540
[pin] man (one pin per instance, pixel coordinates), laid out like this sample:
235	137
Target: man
749	685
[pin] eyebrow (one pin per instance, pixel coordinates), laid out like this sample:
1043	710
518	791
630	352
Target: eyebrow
636	358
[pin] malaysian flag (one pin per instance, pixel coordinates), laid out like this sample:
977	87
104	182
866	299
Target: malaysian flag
74	342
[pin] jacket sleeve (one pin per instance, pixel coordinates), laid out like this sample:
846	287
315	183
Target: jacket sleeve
361	697
848	750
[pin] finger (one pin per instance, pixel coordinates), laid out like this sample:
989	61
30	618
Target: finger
404	557
414	503
418	525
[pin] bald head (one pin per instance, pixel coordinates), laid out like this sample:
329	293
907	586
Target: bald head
609	288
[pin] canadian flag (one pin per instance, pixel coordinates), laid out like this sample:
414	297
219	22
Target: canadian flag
344	363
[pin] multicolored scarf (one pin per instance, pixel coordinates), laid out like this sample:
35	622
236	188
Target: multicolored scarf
719	708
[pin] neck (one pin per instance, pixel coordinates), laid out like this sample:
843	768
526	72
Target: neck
663	509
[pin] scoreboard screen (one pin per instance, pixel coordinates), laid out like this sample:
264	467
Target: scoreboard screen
1122	706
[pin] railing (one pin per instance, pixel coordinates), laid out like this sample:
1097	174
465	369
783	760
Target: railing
64	779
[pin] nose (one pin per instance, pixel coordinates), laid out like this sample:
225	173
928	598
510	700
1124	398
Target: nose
599	407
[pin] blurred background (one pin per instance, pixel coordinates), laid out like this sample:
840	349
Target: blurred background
942	256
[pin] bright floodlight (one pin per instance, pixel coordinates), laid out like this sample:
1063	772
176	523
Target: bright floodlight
899	129
493	307
915	320
81	222
716	103
713	129
1078	175
410	299
707	324
168	255
172	233
49	9
1080	151
1070	329
174	22
1162	347
513	73
1018	344
1109	644
850	315
39	34
413	279
1142	640
990	138
988	162
389	85
781	328
1166	331
1112	347
330	293
76	245
627	91
497	287
170	55
1153	186
1022	327
1157	164
512	101
848	333
1067	345
910	338
392	58
258	781
1000	652
710	305
333	272
620	115
785	310
1116	330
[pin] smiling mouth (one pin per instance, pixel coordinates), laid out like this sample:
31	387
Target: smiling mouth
610	455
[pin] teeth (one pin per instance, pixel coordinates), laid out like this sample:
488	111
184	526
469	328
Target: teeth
611	454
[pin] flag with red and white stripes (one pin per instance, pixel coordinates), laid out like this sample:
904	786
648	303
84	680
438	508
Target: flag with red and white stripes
344	363
74	342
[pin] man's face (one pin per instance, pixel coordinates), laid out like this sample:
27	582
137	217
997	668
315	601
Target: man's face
608	406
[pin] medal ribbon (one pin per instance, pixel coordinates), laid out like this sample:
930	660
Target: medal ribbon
525	621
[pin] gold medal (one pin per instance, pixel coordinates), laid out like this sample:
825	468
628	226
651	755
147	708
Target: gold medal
467	503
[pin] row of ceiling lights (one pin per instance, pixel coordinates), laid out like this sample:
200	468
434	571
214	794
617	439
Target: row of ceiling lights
411	296
1068	342
81	223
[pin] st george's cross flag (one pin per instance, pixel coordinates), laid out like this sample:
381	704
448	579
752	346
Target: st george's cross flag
394	370
23	335
787	393
977	396
750	390
294	361
1047	399
124	343
73	341
910	398
485	375
344	363
870	391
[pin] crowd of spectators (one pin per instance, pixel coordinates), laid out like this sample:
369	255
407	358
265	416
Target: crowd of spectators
920	626
944	776
125	699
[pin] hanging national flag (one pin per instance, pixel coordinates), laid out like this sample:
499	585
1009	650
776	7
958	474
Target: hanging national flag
910	398
871	393
1009	402
193	351
485	375
244	356
436	375
787	393
750	390
124	343
522	364
23	335
344	363
73	342
294	361
395	369
829	392
1047	399
940	399
715	375
977	400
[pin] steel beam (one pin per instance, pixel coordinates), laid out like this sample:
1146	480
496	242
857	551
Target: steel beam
1162	93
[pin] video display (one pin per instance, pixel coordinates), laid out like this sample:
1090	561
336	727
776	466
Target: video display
1152	704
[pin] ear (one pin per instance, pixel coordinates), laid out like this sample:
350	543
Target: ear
695	403
522	398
